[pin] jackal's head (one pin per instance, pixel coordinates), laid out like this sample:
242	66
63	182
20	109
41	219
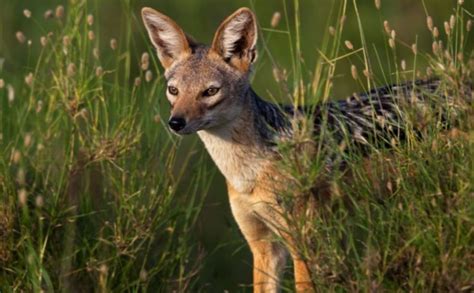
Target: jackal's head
206	85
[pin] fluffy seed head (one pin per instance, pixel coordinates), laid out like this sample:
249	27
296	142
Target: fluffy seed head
145	61
435	47
16	156
91	35
11	93
275	19
27	139
435	32
48	14
349	45
27	13
43	41
29	79
138	81
90	19
66	41
391	43
403	65
71	69
469	25
113	44
332	31
461	2
354	73
22	197
386	26
393	34
59	11
447	28
429	22
414	48
20	36
148	76
95	53
39	201
378	4
99	71
2	83
452	21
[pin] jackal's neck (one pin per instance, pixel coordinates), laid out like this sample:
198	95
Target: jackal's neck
238	148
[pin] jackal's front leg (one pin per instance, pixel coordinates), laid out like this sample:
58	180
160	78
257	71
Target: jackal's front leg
268	261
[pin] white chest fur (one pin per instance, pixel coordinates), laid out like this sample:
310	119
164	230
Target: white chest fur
240	164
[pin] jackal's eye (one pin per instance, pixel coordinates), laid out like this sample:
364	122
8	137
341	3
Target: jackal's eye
210	92
172	90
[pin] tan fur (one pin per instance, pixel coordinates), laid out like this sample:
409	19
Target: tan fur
225	124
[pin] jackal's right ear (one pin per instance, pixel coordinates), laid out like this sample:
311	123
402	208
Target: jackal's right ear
168	38
236	38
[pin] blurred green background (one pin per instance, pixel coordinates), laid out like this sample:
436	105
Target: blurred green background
227	265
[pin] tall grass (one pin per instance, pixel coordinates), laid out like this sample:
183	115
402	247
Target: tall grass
98	195
397	218
90	179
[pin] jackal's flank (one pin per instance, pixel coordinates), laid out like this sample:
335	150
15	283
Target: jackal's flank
209	91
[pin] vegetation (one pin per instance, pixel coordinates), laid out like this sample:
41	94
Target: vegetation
98	195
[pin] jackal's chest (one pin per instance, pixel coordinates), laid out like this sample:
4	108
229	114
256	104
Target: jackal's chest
240	165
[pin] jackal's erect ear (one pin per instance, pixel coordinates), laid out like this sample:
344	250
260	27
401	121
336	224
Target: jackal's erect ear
236	39
168	38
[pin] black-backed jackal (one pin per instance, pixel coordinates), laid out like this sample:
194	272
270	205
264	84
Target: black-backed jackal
209	91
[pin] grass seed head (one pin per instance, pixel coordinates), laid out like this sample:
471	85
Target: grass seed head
332	31
148	76
48	14
275	19
91	35
16	156
27	140
447	28
43	41
29	79
59	13
95	53
22	197
138	81
429	22
393	34
20	36
113	44
71	70
435	47
11	93
145	61
349	45
435	32
469	25
391	43
414	48
452	21
66	41
2	83
460	2
403	64
354	73
39	201
27	13
90	19
378	4
386	27
99	71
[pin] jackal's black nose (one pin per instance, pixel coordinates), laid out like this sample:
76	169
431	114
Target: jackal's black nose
177	123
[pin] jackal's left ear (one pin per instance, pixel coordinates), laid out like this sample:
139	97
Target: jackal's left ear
236	39
168	38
